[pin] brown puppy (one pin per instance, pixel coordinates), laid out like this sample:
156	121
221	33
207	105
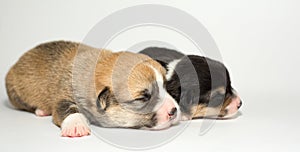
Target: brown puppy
78	85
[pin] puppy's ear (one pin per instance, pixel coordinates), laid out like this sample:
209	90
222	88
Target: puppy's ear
103	100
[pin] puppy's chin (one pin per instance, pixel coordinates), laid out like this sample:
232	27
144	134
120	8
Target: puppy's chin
222	116
229	116
165	125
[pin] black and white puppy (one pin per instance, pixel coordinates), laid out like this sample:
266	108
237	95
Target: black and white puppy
200	85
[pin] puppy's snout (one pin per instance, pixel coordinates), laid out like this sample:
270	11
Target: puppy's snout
167	114
173	112
233	107
240	104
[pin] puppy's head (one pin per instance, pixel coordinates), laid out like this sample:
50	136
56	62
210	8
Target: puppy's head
217	103
131	93
229	108
203	88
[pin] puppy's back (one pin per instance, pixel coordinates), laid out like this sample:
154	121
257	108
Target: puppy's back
163	55
33	81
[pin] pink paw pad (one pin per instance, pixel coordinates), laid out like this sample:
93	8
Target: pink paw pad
41	113
75	125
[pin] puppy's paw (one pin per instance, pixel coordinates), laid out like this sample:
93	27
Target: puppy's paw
75	125
41	113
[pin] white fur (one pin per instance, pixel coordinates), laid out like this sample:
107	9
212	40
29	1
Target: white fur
162	91
160	83
171	67
75	120
164	94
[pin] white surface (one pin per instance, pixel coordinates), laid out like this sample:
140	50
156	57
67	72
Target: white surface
259	42
260	128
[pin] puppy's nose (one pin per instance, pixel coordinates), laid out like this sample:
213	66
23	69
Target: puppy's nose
173	112
240	104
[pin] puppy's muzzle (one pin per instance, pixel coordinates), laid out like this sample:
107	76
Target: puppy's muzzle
233	107
173	113
167	114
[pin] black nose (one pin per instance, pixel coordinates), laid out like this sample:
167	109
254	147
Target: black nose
240	104
173	112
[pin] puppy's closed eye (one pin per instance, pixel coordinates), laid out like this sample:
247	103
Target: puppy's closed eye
146	96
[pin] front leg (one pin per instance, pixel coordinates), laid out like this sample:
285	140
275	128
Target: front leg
66	115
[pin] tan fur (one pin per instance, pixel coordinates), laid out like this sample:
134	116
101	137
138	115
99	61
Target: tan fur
137	80
114	69
34	89
204	111
227	101
54	71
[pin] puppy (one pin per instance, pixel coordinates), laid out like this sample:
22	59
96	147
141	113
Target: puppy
200	85
78	85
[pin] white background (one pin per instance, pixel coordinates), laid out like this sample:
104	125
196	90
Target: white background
258	40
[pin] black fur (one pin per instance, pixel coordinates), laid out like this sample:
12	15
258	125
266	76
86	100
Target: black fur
195	79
